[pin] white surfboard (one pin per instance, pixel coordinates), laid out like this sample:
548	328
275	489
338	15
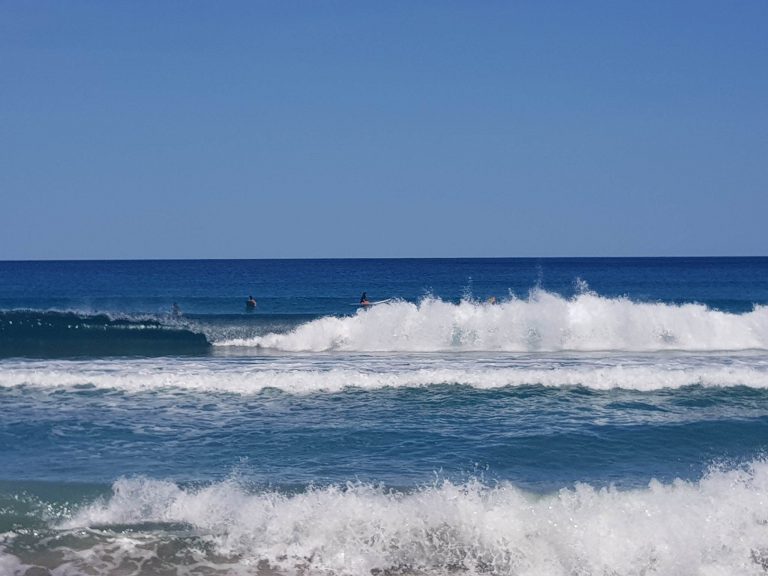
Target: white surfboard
372	303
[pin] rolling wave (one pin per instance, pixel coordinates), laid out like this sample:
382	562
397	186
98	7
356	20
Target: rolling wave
542	322
472	528
294	376
32	333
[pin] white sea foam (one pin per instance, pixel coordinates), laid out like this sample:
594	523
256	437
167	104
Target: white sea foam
717	526
542	322
10	564
309	375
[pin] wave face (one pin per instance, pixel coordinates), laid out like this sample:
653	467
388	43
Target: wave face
354	529
543	322
53	333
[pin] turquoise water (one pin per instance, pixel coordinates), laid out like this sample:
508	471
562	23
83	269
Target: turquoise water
604	416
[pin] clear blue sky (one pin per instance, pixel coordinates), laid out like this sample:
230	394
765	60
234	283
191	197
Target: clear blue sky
382	129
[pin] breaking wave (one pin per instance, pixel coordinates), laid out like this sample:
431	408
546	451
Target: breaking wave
718	525
542	322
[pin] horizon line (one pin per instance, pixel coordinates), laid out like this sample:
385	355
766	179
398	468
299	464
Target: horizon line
364	258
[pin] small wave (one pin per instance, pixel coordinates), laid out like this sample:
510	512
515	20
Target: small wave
717	525
294	377
30	333
542	322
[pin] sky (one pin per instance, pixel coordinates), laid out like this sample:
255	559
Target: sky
342	129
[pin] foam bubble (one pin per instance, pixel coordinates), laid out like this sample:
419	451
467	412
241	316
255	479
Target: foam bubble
543	322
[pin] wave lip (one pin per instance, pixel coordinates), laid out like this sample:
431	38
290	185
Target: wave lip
714	526
50	334
542	322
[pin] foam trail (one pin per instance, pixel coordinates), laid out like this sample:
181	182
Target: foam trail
716	526
645	374
543	322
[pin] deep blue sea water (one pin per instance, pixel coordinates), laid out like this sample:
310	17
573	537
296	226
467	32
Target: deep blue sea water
602	416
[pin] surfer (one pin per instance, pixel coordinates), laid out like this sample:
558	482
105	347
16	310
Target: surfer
250	304
492	300
364	300
175	310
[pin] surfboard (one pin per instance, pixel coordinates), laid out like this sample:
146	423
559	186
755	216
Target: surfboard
372	303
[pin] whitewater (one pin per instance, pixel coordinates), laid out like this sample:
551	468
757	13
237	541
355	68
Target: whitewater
304	375
541	322
470	528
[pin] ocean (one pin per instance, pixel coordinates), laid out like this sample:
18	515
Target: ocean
603	416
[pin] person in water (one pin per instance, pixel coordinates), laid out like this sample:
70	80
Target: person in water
250	304
175	310
364	299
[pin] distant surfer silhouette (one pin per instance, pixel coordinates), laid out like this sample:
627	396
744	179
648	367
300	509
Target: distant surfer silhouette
250	304
364	300
175	310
